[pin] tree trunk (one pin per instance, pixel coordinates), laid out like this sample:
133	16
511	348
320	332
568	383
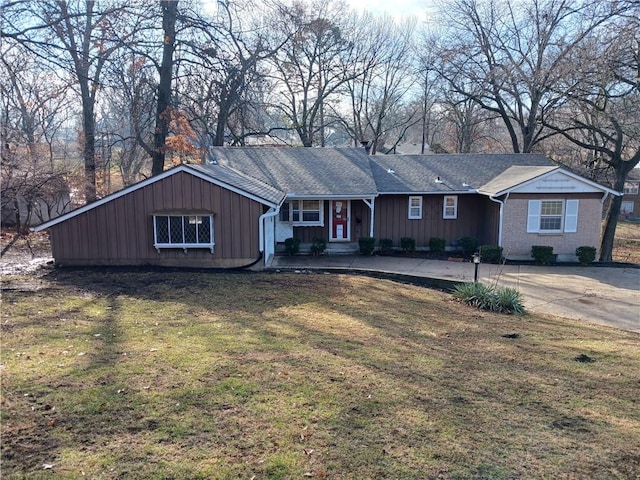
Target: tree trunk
622	169
169	14
88	150
610	224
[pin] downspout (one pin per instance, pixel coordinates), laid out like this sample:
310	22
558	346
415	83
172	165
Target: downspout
501	202
261	225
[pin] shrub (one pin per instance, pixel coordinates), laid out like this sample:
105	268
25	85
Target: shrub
408	244
586	255
468	245
367	244
491	253
484	297
509	300
386	244
318	246
292	245
542	254
437	244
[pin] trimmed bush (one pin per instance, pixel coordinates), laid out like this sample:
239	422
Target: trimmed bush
437	244
586	255
468	245
542	254
484	297
292	245
318	246
408	244
490	253
367	245
386	244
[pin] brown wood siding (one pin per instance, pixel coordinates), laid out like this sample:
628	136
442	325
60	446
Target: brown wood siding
120	232
477	217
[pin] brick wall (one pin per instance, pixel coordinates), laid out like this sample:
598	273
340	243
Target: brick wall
517	242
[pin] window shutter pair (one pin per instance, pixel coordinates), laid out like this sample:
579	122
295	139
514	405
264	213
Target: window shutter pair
570	216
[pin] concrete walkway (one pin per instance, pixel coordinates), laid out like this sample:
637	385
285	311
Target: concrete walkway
604	295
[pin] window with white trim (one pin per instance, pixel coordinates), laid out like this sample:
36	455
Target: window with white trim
631	188
626	207
183	231
303	212
415	208
450	207
552	216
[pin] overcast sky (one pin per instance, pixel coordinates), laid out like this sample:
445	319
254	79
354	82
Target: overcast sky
396	8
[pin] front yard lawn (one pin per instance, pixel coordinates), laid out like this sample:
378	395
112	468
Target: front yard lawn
133	374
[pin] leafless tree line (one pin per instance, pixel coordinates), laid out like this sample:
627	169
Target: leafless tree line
138	85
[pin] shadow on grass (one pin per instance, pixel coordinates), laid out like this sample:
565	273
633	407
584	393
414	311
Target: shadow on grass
398	381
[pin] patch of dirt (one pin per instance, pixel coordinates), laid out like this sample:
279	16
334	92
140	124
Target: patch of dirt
25	254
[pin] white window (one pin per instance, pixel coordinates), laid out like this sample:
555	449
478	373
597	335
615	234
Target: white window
626	208
415	208
303	212
631	188
450	207
552	216
183	231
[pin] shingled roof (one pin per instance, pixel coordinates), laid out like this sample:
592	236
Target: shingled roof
321	172
512	177
408	174
241	182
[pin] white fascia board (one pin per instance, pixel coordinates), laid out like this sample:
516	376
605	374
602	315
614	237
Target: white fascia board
293	196
572	175
142	184
447	192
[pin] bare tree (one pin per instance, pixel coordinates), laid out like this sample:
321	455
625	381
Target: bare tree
381	82
222	74
34	103
165	70
309	68
598	104
78	37
509	57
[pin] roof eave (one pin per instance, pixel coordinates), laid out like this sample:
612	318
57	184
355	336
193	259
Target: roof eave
537	177
431	192
149	181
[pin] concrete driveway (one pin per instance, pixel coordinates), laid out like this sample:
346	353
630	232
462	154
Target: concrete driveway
604	295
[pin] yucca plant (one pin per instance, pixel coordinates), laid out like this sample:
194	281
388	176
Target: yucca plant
485	297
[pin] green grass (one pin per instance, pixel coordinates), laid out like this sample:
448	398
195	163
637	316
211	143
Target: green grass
112	374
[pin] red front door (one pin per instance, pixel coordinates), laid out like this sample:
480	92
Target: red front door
339	221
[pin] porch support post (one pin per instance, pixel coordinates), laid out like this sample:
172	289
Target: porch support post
372	207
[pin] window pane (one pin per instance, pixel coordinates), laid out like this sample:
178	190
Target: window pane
415	201
310	205
162	229
450	212
550	223
296	216
450	201
175	229
204	230
415	212
190	230
284	212
551	207
310	216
